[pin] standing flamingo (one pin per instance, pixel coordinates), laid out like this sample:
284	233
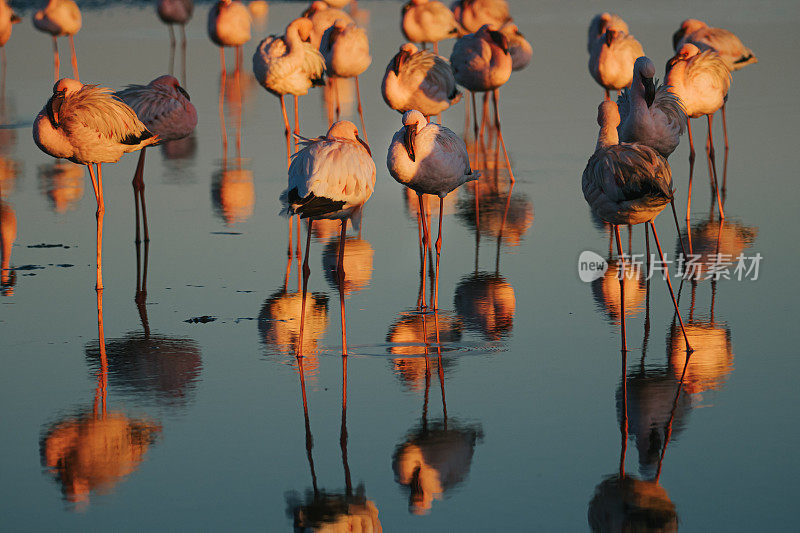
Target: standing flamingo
178	12
229	25
7	19
87	124
520	49
164	107
627	184
331	177
730	48
472	14
428	21
421	80
611	60
602	22
429	159
60	17
322	17
289	65
481	63
701	80
346	51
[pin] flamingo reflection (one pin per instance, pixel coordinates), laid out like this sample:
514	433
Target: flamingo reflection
178	12
357	261
8	234
607	292
62	183
233	193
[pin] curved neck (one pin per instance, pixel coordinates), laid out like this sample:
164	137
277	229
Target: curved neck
608	136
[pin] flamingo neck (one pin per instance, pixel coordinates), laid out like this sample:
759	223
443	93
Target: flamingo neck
608	137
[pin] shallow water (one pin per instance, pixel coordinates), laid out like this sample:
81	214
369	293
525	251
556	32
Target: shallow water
511	420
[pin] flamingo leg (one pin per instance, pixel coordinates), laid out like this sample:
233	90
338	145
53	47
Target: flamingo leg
183	54
335	84
340	277
138	193
669	285
306	275
97	184
171	49
691	172
608	95
420	294
2	79
222	79
496	97
484	114
691	141
74	58
466	117
296	119
475	127
298	251
710	151
436	47
630	231
621	289
677	229
56	60
438	253
425	244
286	130
361	112
725	128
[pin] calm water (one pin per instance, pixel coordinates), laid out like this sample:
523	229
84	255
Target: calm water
514	424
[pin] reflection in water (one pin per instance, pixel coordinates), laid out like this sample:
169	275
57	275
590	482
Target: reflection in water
62	182
180	150
713	236
233	194
279	326
606	292
505	217
358	255
486	303
628	504
8	234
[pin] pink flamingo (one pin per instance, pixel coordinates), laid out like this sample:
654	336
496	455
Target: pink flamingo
60	17
428	21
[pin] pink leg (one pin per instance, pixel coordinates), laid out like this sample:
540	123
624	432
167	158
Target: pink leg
710	150
56	61
74	59
340	276
621	290
287	130
438	253
425	242
496	96
306	274
361	112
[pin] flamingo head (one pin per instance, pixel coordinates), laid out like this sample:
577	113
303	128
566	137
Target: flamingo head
315	6
225	3
303	26
688	27
344	129
61	89
611	36
510	28
494	37
399	59
172	82
413	120
608	114
643	72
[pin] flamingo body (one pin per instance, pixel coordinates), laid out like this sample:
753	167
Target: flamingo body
650	116
481	61
229	23
700	79
7	19
175	11
288	65
730	48
611	59
428	21
520	49
345	48
421	80
163	106
322	17
59	17
602	22
88	124
331	177
472	14
428	158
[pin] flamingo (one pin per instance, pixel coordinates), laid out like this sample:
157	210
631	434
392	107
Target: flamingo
289	65
627	184
346	50
229	25
421	80
322	17
611	60
8	234
730	48
602	22
701	80
164	107
60	17
472	14
7	19
331	177
520	49
87	124
429	159
178	12
481	63
428	21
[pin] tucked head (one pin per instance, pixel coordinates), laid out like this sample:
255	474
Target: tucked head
62	88
688	26
643	72
414	117
67	86
303	26
493	37
608	114
612	35
406	51
344	129
172	82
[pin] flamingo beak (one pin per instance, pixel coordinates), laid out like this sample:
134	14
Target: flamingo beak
676	38
184	93
408	140
499	39
609	37
649	91
15	19
54	106
365	145
398	60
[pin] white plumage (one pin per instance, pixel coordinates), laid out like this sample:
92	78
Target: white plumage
229	23
520	49
428	21
650	115
730	48
611	59
421	80
481	61
7	19
472	14
175	11
60	17
288	64
700	79
322	17
602	22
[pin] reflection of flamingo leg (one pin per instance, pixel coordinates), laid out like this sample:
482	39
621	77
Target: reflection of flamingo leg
97	183
623	426
438	253
237	77
56	60
496	98
287	131
621	288
74	59
348	483
306	274
340	276
100	392
710	151
171	49
361	112
669	284
425	243
677	227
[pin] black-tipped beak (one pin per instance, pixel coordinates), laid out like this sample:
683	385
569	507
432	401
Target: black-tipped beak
649	91
398	60
54	106
676	38
499	39
609	37
15	19
408	140
365	145
184	93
